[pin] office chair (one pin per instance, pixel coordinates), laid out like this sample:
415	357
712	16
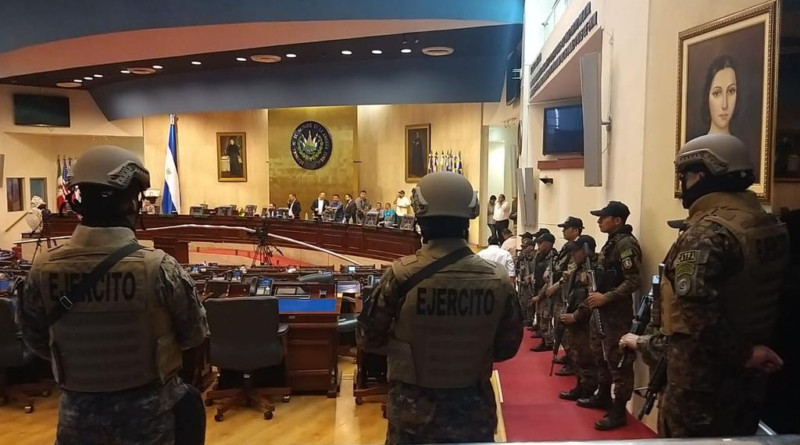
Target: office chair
14	354
246	336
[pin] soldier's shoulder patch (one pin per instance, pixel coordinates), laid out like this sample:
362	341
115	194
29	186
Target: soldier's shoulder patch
683	284
686	256
409	259
627	263
627	253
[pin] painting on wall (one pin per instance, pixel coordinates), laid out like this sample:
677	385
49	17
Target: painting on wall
726	76
231	157
418	144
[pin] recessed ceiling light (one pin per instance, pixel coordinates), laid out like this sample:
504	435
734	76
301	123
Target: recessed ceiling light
89	78
158	67
196	62
77	80
377	51
265	58
141	70
125	72
346	52
68	84
406	50
291	55
98	76
437	51
241	59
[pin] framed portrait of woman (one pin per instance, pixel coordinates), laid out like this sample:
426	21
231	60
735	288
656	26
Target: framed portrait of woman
231	157
726	78
418	143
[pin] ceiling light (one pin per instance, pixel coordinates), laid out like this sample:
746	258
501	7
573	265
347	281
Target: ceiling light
158	67
141	70
68	84
89	78
195	62
241	59
406	50
346	52
377	52
125	72
98	76
77	80
291	55
437	51
265	58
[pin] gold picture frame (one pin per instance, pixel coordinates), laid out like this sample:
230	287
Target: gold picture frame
726	83
231	145
418	145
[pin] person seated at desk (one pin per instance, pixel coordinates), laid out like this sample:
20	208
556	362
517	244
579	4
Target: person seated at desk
338	215
379	208
272	210
388	215
148	207
319	205
294	206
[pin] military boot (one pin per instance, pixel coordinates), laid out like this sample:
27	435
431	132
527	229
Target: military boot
573	394
601	400
536	334
565	371
542	347
560	360
614	418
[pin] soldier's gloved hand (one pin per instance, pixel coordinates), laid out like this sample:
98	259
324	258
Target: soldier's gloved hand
550	291
567	318
764	359
596	299
628	341
535	299
584	278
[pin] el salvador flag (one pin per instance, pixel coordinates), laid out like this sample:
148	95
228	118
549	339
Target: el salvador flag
171	201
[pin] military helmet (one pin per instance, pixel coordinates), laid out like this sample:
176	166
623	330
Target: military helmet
109	166
445	194
720	153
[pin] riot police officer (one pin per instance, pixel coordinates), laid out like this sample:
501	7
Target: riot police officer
114	316
444	315
719	296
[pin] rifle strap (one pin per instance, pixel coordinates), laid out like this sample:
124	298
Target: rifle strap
68	301
428	271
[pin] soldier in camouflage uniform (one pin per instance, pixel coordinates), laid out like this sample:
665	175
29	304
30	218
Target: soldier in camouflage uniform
618	277
543	261
719	298
564	266
443	315
117	350
525	279
576	318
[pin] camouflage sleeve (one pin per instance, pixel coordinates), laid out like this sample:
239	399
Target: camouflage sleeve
377	321
629	255
509	332
179	295
707	258
652	346
32	318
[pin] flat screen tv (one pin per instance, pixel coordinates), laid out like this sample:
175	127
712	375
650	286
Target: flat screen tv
563	130
42	111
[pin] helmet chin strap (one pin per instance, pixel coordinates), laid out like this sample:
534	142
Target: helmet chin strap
705	185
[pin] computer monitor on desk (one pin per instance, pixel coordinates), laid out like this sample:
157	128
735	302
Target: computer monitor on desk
291	292
263	287
350	287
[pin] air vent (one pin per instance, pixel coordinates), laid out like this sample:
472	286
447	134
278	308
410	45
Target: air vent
437	51
265	58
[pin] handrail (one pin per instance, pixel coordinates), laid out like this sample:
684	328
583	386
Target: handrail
16	222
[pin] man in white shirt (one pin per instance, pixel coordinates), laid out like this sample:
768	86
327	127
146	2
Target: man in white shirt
319	204
502	210
403	204
497	255
510	243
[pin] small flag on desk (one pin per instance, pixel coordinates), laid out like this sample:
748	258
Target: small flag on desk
460	165
171	201
430	160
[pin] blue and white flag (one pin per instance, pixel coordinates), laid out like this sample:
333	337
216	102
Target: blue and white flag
171	201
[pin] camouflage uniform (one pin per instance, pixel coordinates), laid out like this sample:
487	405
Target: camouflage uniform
622	255
563	267
418	414
580	351
544	308
140	415
712	331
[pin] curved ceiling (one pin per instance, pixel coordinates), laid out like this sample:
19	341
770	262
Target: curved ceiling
203	52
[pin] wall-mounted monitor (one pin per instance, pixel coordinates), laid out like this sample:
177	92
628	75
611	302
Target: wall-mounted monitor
41	111
563	130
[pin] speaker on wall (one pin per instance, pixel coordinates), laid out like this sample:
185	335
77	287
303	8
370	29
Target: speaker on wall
526	190
592	121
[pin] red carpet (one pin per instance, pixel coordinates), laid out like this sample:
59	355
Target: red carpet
532	410
277	260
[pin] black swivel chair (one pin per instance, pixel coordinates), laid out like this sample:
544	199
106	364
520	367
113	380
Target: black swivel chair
246	336
14	354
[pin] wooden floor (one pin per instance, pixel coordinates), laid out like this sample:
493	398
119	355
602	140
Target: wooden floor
304	420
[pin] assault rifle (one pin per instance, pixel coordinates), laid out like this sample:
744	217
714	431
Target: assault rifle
558	335
595	313
642	317
657	382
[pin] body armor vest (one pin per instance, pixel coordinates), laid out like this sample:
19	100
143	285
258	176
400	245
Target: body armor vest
444	332
119	335
749	299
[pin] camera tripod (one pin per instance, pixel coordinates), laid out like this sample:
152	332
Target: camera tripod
263	250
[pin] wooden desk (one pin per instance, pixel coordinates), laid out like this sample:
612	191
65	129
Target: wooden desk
347	239
312	343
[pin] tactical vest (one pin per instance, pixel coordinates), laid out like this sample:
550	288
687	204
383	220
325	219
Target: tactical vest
119	335
749	299
444	332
